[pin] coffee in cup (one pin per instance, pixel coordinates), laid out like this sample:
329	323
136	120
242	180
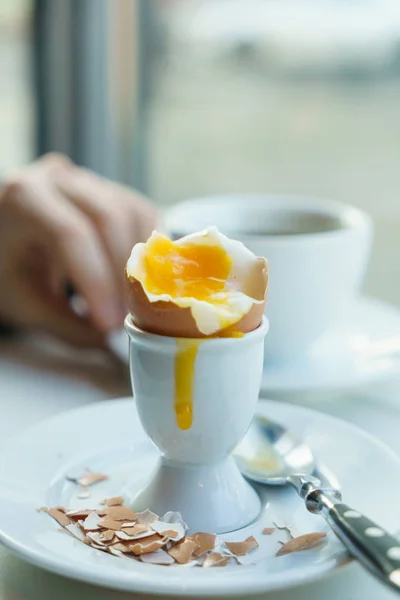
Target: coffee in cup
317	249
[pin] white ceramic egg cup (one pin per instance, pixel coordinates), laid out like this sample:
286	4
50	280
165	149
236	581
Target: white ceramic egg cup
196	474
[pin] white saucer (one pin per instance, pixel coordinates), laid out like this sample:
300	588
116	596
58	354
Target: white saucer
107	437
363	349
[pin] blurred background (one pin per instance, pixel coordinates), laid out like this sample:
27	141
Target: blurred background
189	97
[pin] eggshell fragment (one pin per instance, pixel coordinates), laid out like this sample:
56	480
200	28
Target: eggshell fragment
92	522
59	516
268	530
182	551
95	536
108	523
205	542
173	516
136	528
170	533
79	513
124	548
107	536
124	535
147	516
120	513
114	501
114	551
98	547
88	478
241	548
302	542
149	544
76	532
215	559
175	531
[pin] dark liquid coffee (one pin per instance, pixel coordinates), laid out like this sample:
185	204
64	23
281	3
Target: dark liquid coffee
278	223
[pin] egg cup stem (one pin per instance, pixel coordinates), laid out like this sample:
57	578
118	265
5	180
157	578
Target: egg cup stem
212	497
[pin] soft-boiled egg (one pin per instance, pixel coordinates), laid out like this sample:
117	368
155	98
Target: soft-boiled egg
197	286
202	285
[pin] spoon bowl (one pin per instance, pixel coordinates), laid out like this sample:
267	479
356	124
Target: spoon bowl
269	453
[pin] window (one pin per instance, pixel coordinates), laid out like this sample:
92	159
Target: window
16	97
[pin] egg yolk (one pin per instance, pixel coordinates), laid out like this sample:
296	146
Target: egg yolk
186	271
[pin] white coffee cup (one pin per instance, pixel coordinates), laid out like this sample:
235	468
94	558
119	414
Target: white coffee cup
318	251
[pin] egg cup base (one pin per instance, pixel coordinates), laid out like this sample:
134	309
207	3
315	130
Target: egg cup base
212	498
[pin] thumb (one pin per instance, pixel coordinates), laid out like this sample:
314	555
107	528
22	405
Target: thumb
52	313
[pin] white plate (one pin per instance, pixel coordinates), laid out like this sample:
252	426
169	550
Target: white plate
363	349
108	437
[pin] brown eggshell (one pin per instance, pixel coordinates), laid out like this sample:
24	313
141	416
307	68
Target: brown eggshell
166	318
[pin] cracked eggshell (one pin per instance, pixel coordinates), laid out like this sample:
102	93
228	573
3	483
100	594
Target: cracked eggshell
173	531
249	275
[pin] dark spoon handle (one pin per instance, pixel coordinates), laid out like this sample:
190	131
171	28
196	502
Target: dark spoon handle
376	549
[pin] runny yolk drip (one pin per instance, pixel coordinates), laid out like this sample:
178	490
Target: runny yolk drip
230	332
186	271
185	360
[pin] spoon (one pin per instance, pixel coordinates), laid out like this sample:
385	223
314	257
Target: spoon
270	454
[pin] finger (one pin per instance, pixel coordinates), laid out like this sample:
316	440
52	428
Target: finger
77	247
110	216
55	161
59	320
89	269
38	308
149	220
47	166
144	213
135	212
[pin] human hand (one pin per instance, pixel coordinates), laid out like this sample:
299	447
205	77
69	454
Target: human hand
63	224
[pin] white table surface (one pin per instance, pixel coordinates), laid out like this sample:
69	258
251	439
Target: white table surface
39	378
